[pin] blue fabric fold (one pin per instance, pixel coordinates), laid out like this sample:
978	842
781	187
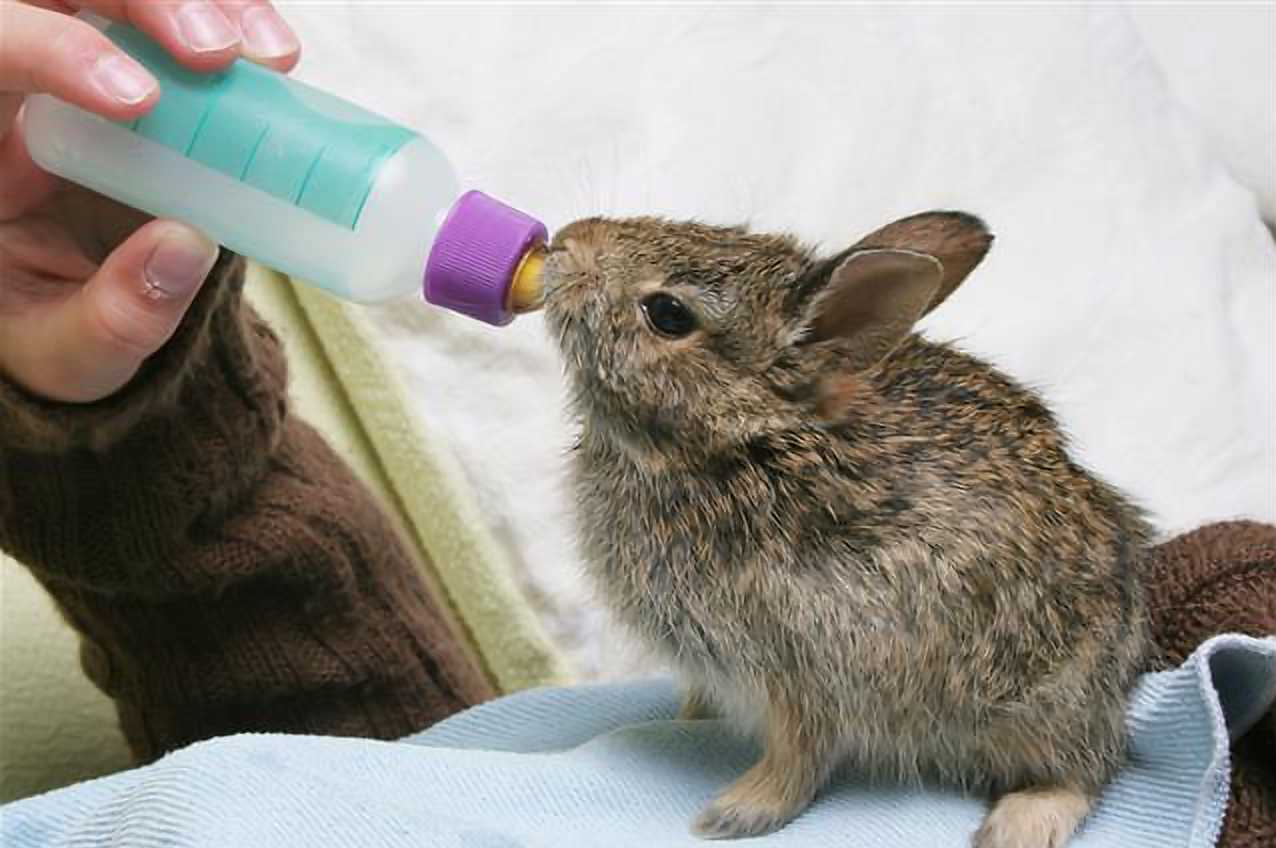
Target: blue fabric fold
609	766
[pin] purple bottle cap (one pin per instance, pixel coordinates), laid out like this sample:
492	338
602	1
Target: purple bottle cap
474	257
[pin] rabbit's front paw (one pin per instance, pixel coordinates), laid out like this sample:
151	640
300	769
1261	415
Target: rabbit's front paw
761	801
1033	818
732	819
695	706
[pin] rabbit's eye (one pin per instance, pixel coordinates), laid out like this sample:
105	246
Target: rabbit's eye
667	315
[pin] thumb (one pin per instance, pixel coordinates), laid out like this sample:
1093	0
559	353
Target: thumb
127	310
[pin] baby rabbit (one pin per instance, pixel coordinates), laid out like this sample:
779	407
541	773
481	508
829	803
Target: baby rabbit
862	546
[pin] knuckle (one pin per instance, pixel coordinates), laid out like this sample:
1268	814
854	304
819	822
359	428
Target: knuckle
75	45
127	331
60	58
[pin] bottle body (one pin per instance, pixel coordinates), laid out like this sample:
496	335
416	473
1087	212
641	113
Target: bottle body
293	177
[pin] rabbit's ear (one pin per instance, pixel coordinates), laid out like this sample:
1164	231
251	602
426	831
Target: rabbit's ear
958	240
870	301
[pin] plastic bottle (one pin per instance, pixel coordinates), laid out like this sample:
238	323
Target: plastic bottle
300	180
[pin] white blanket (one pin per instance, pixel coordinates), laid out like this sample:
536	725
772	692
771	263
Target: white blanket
1132	281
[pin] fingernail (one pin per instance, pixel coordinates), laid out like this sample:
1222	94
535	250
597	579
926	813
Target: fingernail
122	78
203	28
266	36
178	264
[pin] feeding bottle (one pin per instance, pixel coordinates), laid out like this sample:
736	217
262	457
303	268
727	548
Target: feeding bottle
300	180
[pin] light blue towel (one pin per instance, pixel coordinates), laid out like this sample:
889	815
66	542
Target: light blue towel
607	766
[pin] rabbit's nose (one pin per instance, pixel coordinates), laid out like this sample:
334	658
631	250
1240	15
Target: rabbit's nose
579	243
587	232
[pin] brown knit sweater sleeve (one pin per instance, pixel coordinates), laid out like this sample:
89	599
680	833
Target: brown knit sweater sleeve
1221	578
224	568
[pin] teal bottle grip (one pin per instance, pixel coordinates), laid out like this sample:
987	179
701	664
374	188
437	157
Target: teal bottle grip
296	143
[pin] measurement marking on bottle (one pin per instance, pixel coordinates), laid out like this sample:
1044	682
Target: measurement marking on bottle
252	154
210	104
296	200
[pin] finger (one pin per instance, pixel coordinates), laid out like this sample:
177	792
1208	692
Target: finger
101	335
9	106
43	51
196	32
53	5
267	38
23	184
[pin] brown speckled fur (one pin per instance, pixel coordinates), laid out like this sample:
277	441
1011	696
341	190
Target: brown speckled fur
897	565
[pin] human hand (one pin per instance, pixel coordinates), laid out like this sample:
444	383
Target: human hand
90	288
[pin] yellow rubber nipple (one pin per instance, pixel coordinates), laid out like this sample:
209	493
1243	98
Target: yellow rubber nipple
527	290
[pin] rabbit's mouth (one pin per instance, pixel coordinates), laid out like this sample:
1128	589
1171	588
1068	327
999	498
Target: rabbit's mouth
562	283
553	275
562	292
563	308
